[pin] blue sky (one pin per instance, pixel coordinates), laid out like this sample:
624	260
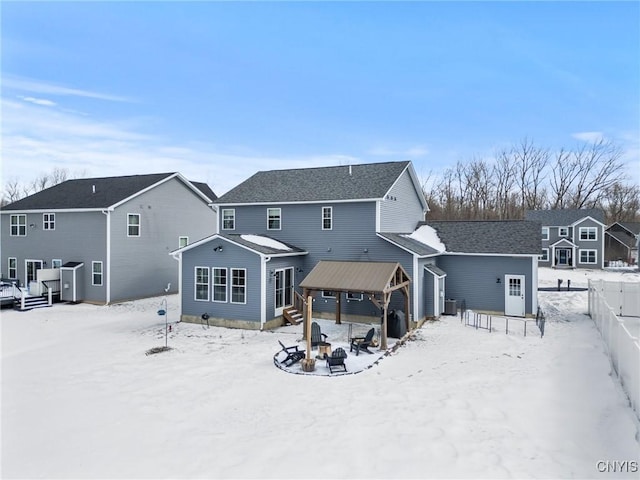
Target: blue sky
219	90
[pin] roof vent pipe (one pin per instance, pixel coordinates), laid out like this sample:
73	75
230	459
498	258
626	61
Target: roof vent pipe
349	170
93	189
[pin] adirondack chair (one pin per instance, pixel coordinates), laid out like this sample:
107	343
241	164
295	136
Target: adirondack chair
362	343
317	337
294	354
336	360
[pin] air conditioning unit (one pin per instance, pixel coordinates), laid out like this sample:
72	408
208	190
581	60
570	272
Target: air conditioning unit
450	307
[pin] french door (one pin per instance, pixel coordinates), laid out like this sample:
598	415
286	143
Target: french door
283	289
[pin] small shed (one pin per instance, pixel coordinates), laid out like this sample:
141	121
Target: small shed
376	280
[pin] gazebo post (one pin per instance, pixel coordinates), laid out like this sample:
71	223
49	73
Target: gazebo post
338	296
407	304
385	309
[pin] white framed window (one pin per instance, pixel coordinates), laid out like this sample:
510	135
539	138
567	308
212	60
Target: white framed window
48	221
219	284
544	256
545	233
96	274
12	267
18	225
238	285
354	296
202	283
183	242
588	256
56	263
588	233
228	218
133	225
328	294
327	218
563	231
274	219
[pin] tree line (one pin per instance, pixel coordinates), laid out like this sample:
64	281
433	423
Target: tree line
518	178
529	177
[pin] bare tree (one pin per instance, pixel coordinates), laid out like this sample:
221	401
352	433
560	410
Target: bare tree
599	168
504	177
531	164
621	203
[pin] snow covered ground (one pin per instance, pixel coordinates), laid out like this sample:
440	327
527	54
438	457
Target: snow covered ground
80	399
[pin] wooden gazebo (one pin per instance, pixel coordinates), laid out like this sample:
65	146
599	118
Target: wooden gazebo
376	280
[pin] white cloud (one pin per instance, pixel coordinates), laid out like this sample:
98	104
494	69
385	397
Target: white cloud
35	140
35	86
589	137
39	101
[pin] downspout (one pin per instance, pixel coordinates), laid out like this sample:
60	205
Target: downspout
263	287
108	259
416	290
178	257
534	284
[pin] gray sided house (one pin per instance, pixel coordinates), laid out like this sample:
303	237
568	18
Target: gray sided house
105	239
571	238
277	227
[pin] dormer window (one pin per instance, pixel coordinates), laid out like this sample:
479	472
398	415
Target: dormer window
563	231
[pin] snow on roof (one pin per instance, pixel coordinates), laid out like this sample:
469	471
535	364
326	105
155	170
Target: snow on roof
265	242
428	235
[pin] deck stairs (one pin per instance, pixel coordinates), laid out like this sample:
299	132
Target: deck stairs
292	315
30	303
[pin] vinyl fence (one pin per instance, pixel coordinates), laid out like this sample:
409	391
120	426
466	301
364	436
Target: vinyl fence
623	347
622	297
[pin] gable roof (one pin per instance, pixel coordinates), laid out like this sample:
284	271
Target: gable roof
563	217
95	193
509	237
340	183
628	240
631	227
407	243
260	244
345	276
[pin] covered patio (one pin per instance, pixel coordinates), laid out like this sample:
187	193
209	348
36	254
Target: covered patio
375	280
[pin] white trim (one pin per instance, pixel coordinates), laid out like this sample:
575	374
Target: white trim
195	283
544	250
222	210
15	276
246	281
560	232
263	290
217	236
139	224
108	259
545	229
534	286
353	299
49	221
226	285
587	250
330	218
587	229
18	225
279	219
402	247
588	217
93	272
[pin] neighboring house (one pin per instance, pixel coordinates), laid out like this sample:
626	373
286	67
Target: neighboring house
104	240
621	242
571	238
279	226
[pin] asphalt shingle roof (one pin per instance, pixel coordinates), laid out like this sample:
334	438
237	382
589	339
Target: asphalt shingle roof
563	217
347	182
264	249
515	237
79	193
410	244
